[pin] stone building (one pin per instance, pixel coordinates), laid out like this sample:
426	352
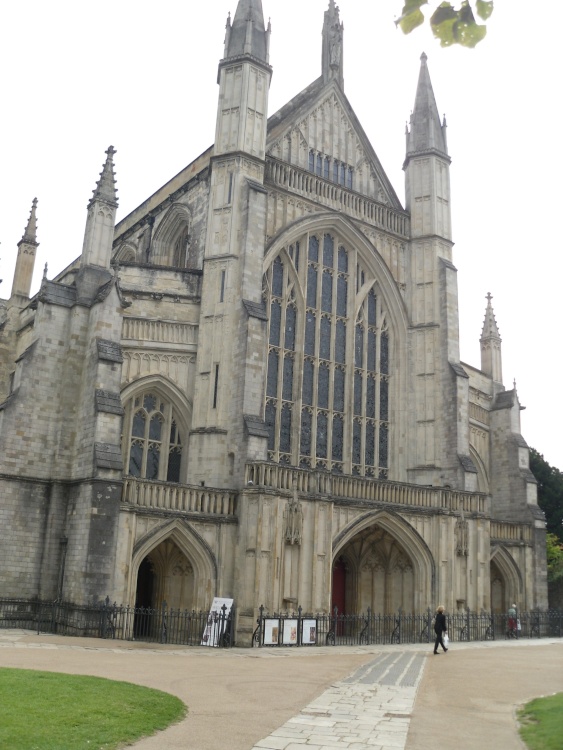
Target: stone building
251	387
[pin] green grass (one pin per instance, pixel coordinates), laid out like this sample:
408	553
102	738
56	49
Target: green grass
48	711
541	723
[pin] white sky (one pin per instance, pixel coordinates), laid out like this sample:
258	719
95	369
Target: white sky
141	76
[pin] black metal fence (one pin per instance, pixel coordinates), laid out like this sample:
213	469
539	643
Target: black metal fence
301	629
107	620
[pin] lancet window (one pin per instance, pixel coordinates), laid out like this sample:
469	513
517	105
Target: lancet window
331	169
151	439
327	391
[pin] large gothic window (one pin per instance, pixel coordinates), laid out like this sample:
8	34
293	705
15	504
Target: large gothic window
151	440
327	389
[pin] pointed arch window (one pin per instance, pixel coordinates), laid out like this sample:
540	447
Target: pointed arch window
152	439
327	386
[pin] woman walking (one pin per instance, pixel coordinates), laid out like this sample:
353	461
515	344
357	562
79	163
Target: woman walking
440	628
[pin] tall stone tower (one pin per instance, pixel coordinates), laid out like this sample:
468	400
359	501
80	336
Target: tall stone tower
440	385
227	427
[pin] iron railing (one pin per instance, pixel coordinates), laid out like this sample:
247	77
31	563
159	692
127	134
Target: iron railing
338	629
106	620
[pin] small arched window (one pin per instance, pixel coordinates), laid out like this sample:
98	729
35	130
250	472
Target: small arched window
151	439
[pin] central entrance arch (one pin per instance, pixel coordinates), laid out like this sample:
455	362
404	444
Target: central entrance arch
381	562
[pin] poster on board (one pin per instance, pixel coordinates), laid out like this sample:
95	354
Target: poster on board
216	623
289	633
308	632
271	632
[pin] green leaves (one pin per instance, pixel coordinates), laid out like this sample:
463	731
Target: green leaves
449	24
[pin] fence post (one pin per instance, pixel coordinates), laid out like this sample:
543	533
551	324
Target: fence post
163	627
299	628
468	623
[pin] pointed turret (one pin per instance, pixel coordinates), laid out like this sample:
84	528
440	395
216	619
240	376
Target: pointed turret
100	224
333	34
247	35
426	132
25	263
491	355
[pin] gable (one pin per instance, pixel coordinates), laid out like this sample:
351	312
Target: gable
318	131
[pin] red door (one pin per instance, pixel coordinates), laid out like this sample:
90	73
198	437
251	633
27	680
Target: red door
339	586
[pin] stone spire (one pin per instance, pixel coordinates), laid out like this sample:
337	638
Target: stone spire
247	34
333	52
426	132
100	224
25	262
105	187
491	355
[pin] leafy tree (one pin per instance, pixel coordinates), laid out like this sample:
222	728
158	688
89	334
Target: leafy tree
554	558
449	24
550	492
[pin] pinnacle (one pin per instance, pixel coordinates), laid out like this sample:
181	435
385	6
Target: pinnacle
490	328
105	187
30	233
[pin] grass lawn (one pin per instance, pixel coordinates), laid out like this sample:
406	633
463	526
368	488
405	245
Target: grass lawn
48	711
541	723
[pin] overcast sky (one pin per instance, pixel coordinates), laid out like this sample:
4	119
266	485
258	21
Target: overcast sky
142	76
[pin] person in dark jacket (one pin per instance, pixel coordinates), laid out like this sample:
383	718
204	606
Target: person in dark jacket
440	628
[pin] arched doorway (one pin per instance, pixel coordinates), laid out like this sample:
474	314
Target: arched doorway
374	570
498	596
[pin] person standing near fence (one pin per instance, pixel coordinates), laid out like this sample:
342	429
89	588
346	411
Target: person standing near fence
440	627
512	622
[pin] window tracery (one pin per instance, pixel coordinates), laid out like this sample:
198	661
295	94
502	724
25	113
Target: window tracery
327	386
151	438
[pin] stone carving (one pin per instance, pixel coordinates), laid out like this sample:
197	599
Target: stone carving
461	537
293	518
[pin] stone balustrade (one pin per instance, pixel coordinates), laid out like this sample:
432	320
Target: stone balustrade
183	498
332	195
277	477
510	532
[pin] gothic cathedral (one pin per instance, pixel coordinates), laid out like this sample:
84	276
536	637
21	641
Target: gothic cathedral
250	386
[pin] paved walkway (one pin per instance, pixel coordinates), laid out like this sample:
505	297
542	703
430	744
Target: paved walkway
323	698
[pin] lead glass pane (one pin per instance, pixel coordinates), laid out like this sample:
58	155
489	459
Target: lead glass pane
271	425
310	333
359	346
273	364
372	309
358	381
342	259
275	322
277	278
326	301
287	392
308	378
322	435
384	400
357	443
335	171
340	342
174	461
371	350
311	286
314	249
290	319
305	433
324	343
337	437
328	251
341	296
323	386
370	444
136	459
384	354
153	460
370	397
285	429
383	446
155	427
338	399
139	421
149	403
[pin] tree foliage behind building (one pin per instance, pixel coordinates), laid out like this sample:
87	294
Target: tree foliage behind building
550	500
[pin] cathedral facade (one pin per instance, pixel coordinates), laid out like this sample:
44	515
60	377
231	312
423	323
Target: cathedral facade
250	387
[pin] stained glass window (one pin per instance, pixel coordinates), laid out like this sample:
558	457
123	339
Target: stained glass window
329	353
152	442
